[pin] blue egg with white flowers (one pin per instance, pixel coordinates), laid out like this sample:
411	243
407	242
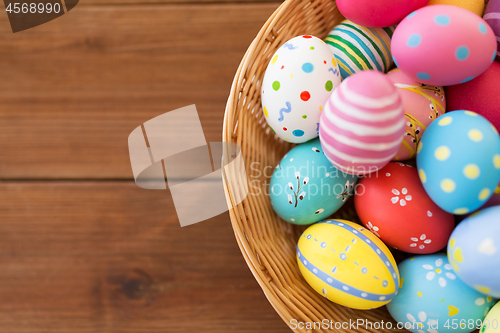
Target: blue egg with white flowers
433	299
306	188
458	160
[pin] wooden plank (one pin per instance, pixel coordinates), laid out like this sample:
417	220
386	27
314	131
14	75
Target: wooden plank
111	257
73	89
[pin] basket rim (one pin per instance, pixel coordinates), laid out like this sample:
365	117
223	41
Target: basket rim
264	281
290	302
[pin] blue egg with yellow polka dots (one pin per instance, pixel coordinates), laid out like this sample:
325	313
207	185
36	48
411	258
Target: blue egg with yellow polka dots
458	160
306	188
433	299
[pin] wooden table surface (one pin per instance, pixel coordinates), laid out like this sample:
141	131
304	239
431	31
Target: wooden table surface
82	248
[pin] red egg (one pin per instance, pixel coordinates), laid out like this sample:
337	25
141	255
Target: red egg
393	204
378	13
479	95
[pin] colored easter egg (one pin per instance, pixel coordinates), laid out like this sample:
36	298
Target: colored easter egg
475	6
381	13
422	104
359	48
306	188
474	251
347	264
433	299
299	79
443	45
494	200
492	16
458	160
363	123
479	95
393	204
491	324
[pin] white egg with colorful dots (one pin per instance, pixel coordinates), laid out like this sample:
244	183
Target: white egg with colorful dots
474	251
458	160
432	299
298	81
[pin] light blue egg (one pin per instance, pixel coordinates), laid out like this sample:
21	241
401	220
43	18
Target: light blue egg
432	299
474	251
306	188
458	160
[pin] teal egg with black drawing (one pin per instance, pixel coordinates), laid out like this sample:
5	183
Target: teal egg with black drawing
306	188
433	299
458	160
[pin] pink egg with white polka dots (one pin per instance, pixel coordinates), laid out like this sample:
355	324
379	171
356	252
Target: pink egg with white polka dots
443	45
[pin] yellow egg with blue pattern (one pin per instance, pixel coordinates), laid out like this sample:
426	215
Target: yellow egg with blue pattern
347	264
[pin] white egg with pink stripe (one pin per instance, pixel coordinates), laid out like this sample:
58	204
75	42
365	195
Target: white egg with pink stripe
363	123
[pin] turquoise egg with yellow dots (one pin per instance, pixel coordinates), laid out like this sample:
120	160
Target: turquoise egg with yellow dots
347	264
433	299
458	160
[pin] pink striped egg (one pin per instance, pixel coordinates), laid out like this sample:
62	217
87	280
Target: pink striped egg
362	125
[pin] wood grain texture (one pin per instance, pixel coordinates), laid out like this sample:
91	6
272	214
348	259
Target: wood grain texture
111	257
98	254
73	89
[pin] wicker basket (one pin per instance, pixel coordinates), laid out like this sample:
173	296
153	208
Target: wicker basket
268	243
